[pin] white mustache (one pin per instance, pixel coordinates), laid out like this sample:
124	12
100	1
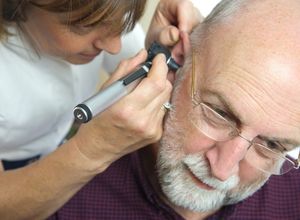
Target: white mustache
199	167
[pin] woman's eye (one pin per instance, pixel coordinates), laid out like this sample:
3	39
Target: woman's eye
81	30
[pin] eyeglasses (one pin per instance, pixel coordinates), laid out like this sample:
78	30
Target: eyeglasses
265	155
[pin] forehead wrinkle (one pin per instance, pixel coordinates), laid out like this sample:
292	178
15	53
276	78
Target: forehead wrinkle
233	78
268	88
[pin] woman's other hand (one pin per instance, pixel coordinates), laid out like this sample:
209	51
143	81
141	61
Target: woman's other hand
170	18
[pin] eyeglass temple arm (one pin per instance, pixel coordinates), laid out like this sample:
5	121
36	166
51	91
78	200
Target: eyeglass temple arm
193	75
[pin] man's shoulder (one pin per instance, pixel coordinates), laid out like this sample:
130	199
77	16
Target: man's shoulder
279	198
119	171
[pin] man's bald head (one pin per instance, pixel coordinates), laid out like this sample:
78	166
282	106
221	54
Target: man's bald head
261	24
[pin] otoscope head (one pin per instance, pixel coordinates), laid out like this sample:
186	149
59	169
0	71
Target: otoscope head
155	49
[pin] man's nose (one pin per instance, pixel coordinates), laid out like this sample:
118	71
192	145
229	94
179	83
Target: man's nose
224	157
111	45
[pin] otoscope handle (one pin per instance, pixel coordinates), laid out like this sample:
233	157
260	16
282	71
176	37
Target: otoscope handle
108	96
85	111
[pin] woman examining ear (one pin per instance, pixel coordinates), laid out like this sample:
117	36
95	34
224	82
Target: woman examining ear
50	56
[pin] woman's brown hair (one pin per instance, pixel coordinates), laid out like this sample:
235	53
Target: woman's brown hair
2	31
119	15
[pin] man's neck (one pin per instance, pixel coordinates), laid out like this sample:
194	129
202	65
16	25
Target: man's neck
148	155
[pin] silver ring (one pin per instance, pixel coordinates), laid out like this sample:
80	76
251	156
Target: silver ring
168	106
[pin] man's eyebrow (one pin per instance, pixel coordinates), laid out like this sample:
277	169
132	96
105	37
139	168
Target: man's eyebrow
289	144
224	102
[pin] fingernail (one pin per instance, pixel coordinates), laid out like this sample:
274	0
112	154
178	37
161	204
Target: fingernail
162	56
174	35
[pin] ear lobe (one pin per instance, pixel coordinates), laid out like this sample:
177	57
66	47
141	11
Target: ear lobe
182	48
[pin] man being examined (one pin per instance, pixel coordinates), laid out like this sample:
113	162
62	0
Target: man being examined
235	116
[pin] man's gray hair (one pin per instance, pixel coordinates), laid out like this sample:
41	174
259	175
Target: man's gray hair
222	13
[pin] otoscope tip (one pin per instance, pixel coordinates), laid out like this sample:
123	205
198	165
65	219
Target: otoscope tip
173	65
156	48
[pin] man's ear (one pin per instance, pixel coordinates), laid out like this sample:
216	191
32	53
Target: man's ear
182	48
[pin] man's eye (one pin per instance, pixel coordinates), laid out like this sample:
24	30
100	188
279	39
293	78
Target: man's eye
273	145
222	113
215	116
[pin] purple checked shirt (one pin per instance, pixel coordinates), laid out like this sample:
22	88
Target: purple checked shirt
123	192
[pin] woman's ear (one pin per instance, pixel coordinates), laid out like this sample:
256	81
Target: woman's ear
182	48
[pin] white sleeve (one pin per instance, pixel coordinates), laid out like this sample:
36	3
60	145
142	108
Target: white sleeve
132	43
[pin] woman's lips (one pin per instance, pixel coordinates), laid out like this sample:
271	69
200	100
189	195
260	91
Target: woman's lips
90	55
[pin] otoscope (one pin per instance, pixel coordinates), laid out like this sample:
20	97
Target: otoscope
85	111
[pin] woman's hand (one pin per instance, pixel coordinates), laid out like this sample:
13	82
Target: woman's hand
134	121
170	18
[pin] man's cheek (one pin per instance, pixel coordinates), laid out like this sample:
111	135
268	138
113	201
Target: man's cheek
249	174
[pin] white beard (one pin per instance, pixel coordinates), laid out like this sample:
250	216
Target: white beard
183	191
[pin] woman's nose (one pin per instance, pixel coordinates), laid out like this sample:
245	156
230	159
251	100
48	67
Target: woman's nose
111	45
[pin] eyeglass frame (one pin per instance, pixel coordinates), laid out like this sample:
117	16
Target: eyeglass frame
238	131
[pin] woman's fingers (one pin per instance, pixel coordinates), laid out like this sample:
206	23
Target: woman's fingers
127	66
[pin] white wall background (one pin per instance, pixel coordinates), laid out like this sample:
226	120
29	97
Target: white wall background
150	8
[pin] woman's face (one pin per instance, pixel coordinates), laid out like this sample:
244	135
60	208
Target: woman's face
74	44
